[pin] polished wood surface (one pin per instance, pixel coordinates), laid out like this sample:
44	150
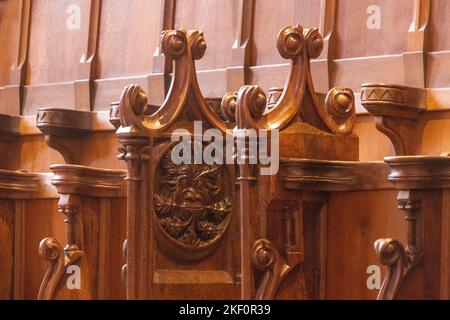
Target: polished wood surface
63	68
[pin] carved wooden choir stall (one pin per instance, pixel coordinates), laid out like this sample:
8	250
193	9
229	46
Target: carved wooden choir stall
316	170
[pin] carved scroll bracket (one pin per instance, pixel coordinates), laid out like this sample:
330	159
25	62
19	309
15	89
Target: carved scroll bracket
72	183
51	251
299	101
397	110
63	129
184	100
266	257
398	258
410	173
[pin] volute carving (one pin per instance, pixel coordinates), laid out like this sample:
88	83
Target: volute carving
184	47
298	101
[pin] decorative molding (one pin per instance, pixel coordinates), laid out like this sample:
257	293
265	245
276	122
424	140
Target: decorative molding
419	172
63	128
17	185
64	122
397	110
325	175
87	181
399	259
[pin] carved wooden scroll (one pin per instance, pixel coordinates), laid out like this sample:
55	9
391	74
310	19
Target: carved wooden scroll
298	99
397	111
15	187
414	270
309	128
185	208
77	186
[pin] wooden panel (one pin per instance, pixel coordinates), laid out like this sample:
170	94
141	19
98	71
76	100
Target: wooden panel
436	131
6	249
373	145
57	32
9	37
129	36
218	20
359	35
42	221
271	16
356	220
351	73
438	66
117	236
440	24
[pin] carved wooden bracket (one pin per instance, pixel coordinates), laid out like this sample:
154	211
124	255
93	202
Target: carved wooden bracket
63	128
298	101
17	185
72	183
410	175
399	259
397	110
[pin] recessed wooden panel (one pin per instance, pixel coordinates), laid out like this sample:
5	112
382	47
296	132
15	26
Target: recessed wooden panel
271	16
356	220
42	220
6	249
9	37
57	33
129	36
440	25
218	20
372	27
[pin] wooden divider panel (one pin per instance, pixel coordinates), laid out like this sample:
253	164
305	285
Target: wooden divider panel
218	20
129	36
372	28
271	16
439	45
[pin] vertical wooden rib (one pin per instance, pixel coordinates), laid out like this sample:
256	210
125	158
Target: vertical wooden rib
415	59
241	53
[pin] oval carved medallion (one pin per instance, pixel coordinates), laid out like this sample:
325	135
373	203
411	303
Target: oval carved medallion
192	206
